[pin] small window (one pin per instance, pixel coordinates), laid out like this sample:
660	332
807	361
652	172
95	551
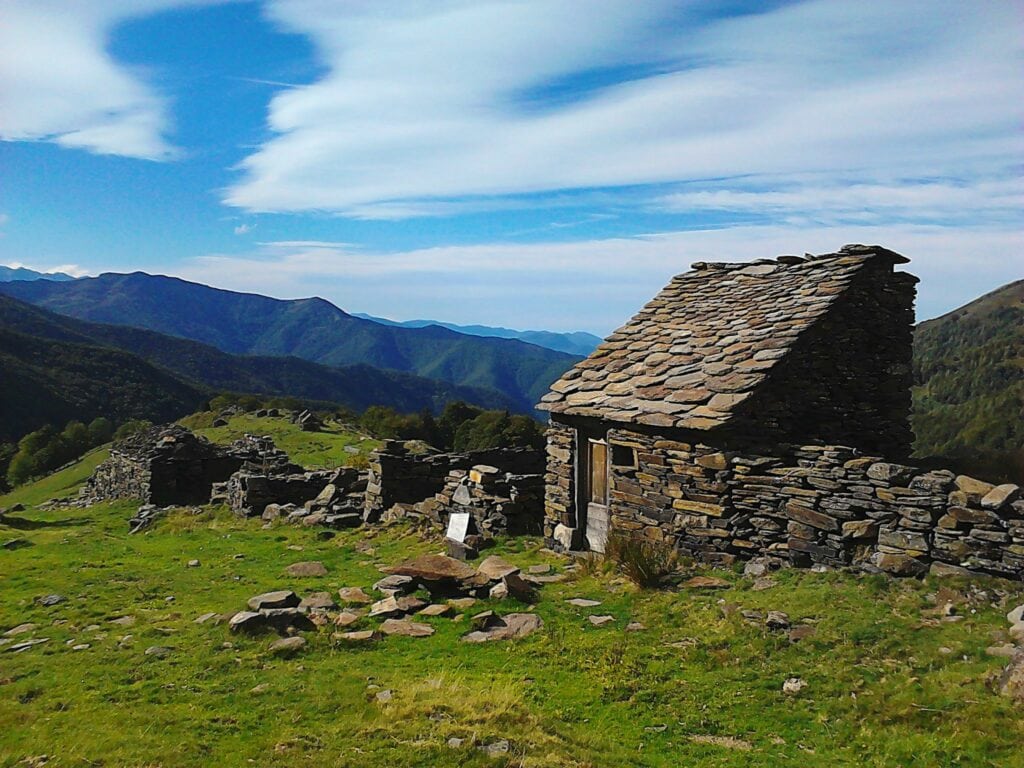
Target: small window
623	456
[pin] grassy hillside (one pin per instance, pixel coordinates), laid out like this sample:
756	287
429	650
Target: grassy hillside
335	445
969	383
312	329
889	682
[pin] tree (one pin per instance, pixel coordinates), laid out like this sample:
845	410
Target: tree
101	430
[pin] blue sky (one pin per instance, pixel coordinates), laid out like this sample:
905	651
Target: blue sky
527	163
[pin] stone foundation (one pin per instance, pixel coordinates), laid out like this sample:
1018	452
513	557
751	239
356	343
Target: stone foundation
811	504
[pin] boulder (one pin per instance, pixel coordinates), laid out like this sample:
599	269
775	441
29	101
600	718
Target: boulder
354	596
898	564
396	584
318	601
287	646
434	568
495	567
287	620
284	598
247	621
307	569
510	627
406	628
1011	682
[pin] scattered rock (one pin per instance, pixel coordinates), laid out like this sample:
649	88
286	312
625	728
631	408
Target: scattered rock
496	748
383	697
777	620
539	570
318	602
765	582
635	626
436	609
462	603
454	742
16	544
247	621
600	621
284	598
205	618
406	628
354	596
360	636
1016	615
287	646
801	632
495	567
483	620
158	651
307	569
1005	651
287	620
395	584
194	563
49	600
81	647
583	602
19	630
434	568
728	742
510	627
706	582
793	686
1011	682
346	619
25	645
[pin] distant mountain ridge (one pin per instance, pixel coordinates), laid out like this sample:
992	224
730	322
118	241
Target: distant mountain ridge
969	383
14	274
54	364
573	343
311	329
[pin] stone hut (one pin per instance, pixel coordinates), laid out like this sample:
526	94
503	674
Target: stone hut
729	357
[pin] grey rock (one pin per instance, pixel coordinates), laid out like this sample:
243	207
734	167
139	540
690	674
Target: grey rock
287	646
283	598
49	600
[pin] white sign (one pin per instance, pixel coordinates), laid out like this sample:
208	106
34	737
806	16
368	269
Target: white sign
458	526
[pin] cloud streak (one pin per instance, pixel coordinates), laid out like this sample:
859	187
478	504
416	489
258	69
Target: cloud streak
59	83
434	104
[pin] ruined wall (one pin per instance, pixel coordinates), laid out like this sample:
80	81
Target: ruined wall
811	504
501	488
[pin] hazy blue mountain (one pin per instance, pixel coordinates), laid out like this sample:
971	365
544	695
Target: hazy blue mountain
312	329
574	343
55	366
12	274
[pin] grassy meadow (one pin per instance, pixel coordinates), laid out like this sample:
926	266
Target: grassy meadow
889	681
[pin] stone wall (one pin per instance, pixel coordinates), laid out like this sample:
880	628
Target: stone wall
501	488
811	504
847	379
498	502
163	466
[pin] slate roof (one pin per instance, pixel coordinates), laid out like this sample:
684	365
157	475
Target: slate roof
708	340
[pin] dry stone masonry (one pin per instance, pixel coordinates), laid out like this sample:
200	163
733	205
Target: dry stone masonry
762	409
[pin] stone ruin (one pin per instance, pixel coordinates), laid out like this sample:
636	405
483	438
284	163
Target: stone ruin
502	489
164	466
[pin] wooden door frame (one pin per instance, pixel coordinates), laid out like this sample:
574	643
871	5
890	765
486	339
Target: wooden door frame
584	438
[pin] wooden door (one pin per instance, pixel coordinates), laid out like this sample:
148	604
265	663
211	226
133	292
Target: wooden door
597	494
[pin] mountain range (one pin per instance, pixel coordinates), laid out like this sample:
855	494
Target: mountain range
575	343
13	274
311	329
55	368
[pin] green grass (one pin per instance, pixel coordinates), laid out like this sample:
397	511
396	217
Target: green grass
63	483
888	684
313	450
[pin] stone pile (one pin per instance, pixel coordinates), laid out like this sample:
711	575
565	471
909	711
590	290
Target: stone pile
399	475
826	505
450	585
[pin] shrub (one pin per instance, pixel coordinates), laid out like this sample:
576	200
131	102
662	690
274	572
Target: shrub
642	561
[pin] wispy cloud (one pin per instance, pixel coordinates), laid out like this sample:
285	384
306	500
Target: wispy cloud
592	284
68	269
60	83
244	228
452	103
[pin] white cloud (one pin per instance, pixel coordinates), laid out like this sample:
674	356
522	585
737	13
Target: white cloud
244	229
426	105
60	84
596	284
68	269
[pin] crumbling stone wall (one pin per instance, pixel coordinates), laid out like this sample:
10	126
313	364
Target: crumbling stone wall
810	504
164	466
498	502
501	488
